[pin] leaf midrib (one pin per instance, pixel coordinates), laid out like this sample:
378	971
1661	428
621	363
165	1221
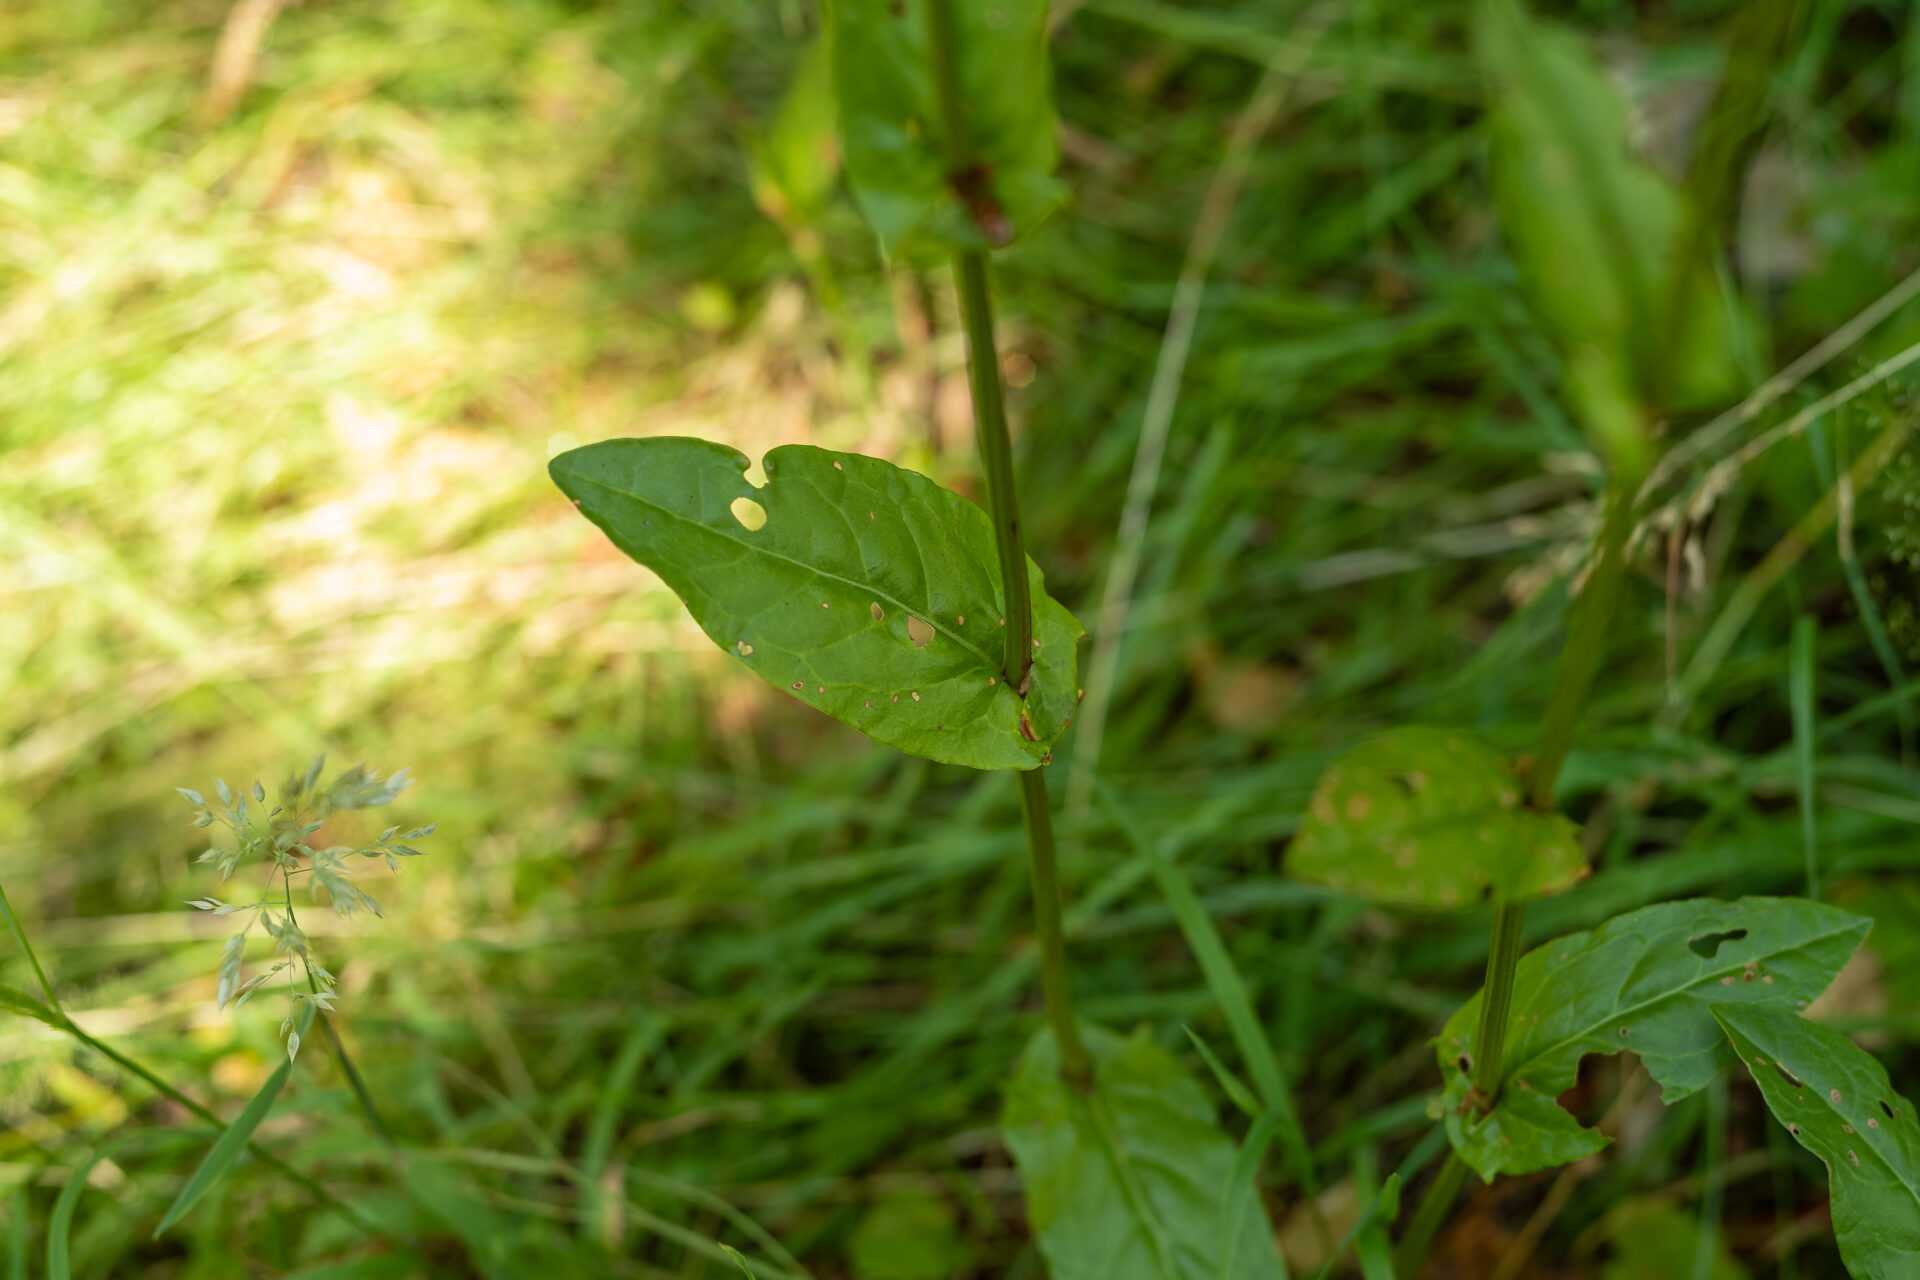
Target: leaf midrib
1628	1011
862	587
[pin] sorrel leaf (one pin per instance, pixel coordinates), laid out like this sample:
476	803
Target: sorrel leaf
1645	981
1837	1102
1430	818
895	142
869	592
1133	1180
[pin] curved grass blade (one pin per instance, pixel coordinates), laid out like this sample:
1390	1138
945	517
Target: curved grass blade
1240	1191
233	1139
1645	981
60	1225
1837	1102
1431	818
1381	1211
739	1260
865	590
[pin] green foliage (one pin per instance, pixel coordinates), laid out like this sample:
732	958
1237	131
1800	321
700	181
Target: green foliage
1431	818
1595	231
1837	1102
924	191
278	837
1126	1181
867	591
1645	981
1662	1244
907	1238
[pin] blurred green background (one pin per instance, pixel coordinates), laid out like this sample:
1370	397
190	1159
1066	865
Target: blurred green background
295	303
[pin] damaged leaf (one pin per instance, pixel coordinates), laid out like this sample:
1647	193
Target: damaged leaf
1645	981
870	592
1837	1102
1431	818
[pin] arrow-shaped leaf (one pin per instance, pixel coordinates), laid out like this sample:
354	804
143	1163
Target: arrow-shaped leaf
1431	818
1837	1102
863	589
1644	981
1133	1180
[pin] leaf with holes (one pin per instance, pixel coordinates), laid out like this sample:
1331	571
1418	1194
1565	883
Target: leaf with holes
867	591
1837	1102
1431	818
1132	1180
895	140
1645	981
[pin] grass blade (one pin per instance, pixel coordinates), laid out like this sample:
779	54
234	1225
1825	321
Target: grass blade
1230	1084
1240	1188
738	1259
1800	664
232	1140
60	1225
18	1231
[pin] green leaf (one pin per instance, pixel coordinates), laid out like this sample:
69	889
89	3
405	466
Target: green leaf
1836	1100
1644	981
908	1238
1431	818
738	1259
1593	229
895	144
1130	1181
793	164
869	593
13	1000
232	1140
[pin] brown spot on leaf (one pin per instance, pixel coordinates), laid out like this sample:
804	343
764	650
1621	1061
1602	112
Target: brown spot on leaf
919	631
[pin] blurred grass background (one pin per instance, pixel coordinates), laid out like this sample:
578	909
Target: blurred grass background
289	326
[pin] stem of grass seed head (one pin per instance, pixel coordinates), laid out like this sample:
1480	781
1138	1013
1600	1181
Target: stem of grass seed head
339	1047
996	458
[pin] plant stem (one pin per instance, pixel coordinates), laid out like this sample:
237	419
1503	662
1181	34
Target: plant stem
1053	944
1496	1004
339	1047
1573	680
996	456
